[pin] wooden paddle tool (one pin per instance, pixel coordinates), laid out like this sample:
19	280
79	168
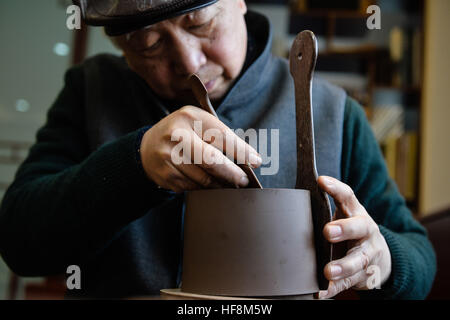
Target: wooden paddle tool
201	94
303	56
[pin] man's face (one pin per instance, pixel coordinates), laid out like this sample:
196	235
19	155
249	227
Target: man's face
211	42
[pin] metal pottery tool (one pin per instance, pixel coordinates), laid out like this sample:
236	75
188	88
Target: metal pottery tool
303	56
201	94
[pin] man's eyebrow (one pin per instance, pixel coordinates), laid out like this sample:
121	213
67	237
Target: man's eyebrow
130	34
213	10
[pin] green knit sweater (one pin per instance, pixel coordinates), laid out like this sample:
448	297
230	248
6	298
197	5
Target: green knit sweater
364	169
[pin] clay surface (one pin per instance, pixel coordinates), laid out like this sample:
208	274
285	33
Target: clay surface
249	243
177	294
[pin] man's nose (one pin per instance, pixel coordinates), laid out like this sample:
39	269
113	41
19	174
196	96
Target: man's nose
188	56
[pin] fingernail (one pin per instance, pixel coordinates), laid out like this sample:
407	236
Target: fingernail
334	231
244	181
255	160
335	270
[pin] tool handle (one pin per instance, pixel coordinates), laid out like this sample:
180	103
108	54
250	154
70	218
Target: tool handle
201	94
303	56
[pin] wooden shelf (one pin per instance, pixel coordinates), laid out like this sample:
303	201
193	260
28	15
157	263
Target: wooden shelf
337	14
334	11
358	50
406	89
374	65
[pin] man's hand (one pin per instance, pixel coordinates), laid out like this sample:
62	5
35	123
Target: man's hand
157	159
367	246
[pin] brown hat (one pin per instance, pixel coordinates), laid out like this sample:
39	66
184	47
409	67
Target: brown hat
123	16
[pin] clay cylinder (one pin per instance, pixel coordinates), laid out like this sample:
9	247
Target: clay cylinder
249	243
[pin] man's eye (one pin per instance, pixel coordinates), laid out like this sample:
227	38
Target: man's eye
198	26
153	46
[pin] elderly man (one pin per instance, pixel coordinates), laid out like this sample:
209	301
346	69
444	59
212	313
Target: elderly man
99	188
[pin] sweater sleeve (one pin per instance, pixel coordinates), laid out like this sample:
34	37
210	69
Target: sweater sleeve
66	204
364	169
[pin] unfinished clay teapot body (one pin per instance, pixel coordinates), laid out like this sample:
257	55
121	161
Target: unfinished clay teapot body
249	242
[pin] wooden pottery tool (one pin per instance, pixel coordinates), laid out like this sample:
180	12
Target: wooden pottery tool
303	56
201	94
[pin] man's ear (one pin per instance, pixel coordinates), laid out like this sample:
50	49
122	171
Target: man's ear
242	6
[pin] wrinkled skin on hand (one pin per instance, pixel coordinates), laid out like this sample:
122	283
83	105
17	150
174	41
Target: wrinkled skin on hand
366	245
157	153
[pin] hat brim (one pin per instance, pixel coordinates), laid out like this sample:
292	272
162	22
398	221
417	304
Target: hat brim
118	24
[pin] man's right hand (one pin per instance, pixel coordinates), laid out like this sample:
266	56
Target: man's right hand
157	145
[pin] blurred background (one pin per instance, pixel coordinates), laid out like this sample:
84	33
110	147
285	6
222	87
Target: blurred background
399	73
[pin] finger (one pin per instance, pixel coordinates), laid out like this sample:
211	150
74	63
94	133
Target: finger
176	181
199	176
218	165
343	196
338	286
323	294
215	132
353	228
190	148
348	266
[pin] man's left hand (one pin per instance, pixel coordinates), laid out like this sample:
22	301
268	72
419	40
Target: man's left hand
366	245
